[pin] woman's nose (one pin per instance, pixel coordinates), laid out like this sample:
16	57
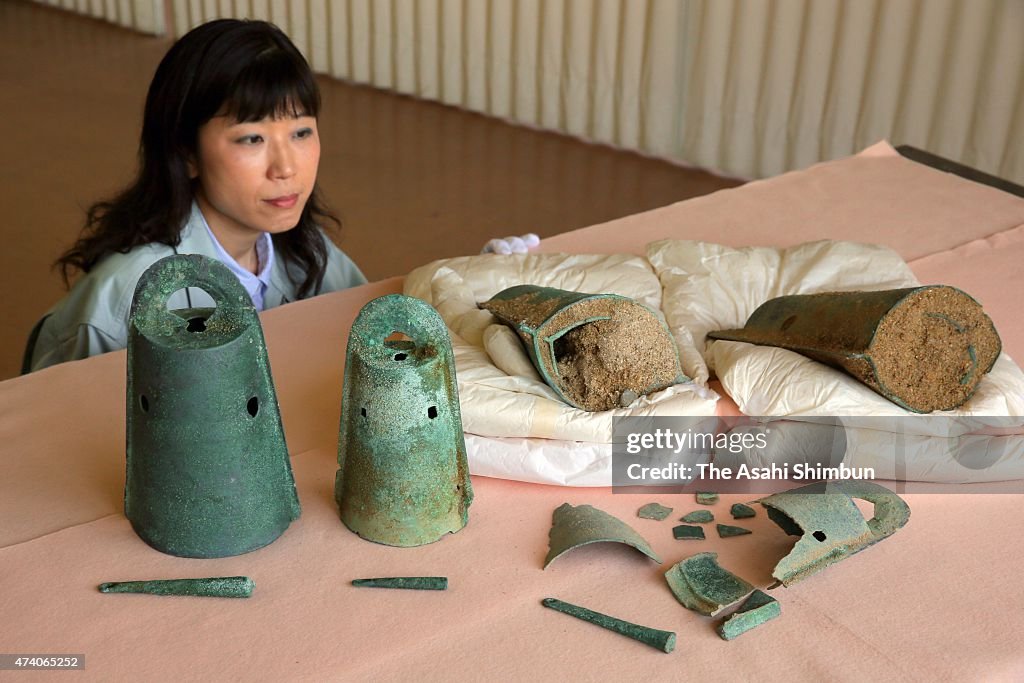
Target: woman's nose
282	161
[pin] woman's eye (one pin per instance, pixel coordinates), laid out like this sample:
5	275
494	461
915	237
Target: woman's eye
250	139
304	133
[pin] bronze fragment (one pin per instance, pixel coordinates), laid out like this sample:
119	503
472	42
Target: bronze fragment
656	638
700	584
573	527
923	348
214	587
422	583
830	526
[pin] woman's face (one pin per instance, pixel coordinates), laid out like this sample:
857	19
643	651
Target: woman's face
255	177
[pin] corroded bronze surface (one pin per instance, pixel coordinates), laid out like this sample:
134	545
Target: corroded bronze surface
741	511
420	583
755	610
208	473
923	348
700	584
687	532
402	473
572	527
698	517
830	526
655	511
214	587
656	638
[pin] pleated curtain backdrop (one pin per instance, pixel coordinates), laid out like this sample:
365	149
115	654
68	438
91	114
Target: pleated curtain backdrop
749	87
146	16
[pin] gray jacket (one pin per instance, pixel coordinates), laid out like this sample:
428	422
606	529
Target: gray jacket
93	317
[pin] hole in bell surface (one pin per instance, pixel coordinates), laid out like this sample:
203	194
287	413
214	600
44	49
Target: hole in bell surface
196	325
144	403
820	535
253	406
432	412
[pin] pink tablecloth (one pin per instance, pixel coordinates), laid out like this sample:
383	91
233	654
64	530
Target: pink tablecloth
942	599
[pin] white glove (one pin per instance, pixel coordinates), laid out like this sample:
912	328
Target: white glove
511	245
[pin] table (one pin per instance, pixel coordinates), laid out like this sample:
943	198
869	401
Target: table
941	599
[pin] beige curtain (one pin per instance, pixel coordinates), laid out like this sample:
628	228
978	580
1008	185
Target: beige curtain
749	87
146	16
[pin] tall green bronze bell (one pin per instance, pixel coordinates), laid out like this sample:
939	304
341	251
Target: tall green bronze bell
403	478
208	470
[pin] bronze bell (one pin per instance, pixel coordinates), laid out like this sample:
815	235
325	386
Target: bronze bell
403	477
208	473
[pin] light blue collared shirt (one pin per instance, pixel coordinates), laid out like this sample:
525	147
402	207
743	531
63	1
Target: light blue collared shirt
255	285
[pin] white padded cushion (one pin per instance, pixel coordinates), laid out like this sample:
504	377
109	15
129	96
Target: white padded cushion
519	406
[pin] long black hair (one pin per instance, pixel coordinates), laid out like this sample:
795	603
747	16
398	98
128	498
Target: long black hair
248	70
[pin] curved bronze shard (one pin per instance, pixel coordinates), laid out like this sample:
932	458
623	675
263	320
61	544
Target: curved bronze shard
402	478
573	527
923	348
830	525
208	473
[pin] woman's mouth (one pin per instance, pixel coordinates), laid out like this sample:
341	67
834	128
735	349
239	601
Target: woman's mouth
284	202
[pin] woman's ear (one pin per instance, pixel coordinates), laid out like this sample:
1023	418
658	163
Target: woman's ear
193	167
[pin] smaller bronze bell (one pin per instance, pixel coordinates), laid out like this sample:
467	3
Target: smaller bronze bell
403	478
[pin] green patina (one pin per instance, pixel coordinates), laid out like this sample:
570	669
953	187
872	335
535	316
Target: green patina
707	497
402	478
830	525
421	583
656	638
214	587
741	511
688	533
573	527
700	584
725	531
698	517
755	610
208	473
654	511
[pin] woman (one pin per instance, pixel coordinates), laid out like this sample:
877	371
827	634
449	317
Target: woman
228	162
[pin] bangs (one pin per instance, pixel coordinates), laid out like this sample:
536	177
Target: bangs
276	85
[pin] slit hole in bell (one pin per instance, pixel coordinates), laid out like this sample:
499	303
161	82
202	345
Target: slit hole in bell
253	406
197	324
144	403
788	322
399	341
